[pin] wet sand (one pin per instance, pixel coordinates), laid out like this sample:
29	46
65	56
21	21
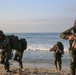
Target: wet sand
28	70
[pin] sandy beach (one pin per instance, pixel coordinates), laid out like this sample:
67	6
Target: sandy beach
28	70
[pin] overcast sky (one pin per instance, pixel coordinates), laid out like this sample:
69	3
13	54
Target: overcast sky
37	15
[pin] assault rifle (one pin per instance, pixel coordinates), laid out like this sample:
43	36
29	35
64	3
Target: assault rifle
56	49
74	36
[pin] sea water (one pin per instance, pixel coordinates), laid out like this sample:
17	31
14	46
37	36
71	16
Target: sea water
38	45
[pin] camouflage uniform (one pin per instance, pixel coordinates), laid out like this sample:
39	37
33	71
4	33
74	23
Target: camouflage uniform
22	45
18	57
58	51
6	50
72	50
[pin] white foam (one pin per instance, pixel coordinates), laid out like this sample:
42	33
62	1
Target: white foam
42	48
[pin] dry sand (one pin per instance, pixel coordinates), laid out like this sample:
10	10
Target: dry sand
27	70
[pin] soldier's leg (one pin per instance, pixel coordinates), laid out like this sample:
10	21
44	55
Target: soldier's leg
7	57
59	63
20	59
20	63
16	56
3	58
72	63
72	70
55	62
7	65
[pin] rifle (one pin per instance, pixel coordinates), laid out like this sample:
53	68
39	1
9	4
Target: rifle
56	49
74	36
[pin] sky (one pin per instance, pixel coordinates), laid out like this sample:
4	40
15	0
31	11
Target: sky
36	16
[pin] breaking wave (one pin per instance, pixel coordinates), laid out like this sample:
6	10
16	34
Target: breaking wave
42	48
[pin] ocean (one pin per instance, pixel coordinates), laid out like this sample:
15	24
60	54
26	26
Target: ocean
37	53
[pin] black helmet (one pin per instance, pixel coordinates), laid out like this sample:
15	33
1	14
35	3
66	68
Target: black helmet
1	35
1	32
75	22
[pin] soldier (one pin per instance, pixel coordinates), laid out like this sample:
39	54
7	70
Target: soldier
6	50
58	51
22	45
16	45
19	45
71	35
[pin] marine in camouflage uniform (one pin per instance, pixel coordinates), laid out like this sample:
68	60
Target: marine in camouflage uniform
22	45
71	35
16	45
6	50
58	51
19	45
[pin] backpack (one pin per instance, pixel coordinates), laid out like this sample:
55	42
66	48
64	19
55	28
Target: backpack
23	43
60	45
13	41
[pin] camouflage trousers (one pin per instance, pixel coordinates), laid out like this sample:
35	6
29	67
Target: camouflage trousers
72	62
18	57
58	62
5	57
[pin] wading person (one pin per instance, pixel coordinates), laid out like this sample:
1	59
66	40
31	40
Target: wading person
71	35
58	49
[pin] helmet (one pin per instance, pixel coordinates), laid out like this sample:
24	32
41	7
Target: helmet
75	22
1	32
1	35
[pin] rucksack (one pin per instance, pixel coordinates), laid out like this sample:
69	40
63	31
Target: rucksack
60	45
13	41
23	43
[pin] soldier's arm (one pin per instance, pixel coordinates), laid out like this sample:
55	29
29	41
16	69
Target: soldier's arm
65	34
51	49
54	48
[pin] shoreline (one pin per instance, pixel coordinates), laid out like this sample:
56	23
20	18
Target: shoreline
41	64
31	70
